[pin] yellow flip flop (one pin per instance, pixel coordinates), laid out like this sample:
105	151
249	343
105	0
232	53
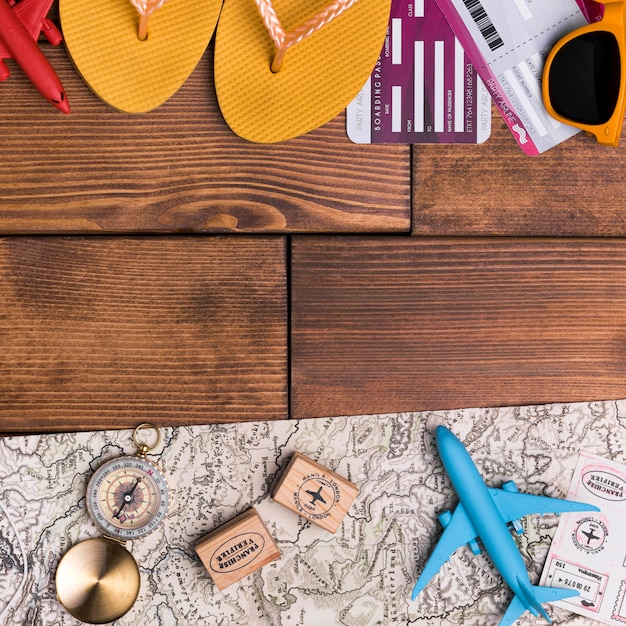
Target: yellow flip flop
129	74
323	53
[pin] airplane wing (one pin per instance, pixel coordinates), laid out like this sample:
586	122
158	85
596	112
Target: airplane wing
514	505
458	532
511	506
534	597
31	14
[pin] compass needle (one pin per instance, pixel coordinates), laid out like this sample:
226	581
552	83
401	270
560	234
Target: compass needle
127	498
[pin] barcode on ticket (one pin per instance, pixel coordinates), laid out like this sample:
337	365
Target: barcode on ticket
484	24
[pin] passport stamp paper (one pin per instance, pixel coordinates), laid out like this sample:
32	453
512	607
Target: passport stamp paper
588	552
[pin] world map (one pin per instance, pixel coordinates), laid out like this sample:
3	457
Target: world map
361	575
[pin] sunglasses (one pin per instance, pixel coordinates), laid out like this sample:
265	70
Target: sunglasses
583	82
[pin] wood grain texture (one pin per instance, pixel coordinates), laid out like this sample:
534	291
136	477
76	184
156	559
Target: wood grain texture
179	168
577	188
107	332
399	324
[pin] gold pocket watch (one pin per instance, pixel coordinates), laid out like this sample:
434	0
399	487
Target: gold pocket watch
97	580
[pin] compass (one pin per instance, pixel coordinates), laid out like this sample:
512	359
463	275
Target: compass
127	498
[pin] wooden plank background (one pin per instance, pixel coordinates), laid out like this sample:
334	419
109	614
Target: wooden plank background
107	332
180	169
402	324
99	331
577	188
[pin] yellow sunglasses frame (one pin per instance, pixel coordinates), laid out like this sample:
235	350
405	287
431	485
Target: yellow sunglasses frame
614	22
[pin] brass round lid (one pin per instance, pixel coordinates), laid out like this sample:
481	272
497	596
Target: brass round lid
97	581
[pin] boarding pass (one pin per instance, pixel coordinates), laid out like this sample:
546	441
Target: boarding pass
423	89
588	552
508	41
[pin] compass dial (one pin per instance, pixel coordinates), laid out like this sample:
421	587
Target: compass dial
127	497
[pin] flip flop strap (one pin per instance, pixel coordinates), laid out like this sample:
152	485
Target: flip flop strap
284	40
146	7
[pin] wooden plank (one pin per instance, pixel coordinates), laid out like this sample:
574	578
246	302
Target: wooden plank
107	332
576	189
398	324
179	168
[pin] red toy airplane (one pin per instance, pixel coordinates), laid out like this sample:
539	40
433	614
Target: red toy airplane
20	25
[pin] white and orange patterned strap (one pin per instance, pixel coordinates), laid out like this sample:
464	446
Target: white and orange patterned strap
283	40
145	8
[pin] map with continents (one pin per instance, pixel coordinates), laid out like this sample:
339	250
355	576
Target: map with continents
363	574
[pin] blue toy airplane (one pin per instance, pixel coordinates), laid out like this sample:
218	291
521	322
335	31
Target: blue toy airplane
485	514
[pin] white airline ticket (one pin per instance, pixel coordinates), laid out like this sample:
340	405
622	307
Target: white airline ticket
588	552
507	42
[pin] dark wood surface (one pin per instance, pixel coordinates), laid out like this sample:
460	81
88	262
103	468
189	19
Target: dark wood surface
179	168
577	188
107	332
208	279
401	324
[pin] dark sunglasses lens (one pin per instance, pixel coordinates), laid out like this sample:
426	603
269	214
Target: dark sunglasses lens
585	78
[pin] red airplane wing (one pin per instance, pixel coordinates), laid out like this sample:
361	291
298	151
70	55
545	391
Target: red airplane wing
31	13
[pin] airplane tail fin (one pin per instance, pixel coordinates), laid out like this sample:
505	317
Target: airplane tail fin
531	599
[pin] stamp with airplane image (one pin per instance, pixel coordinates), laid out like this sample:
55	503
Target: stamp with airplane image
315	492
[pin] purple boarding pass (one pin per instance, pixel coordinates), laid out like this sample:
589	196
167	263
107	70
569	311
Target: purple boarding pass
424	89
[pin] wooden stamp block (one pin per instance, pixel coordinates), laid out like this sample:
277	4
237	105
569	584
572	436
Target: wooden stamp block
236	549
315	492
